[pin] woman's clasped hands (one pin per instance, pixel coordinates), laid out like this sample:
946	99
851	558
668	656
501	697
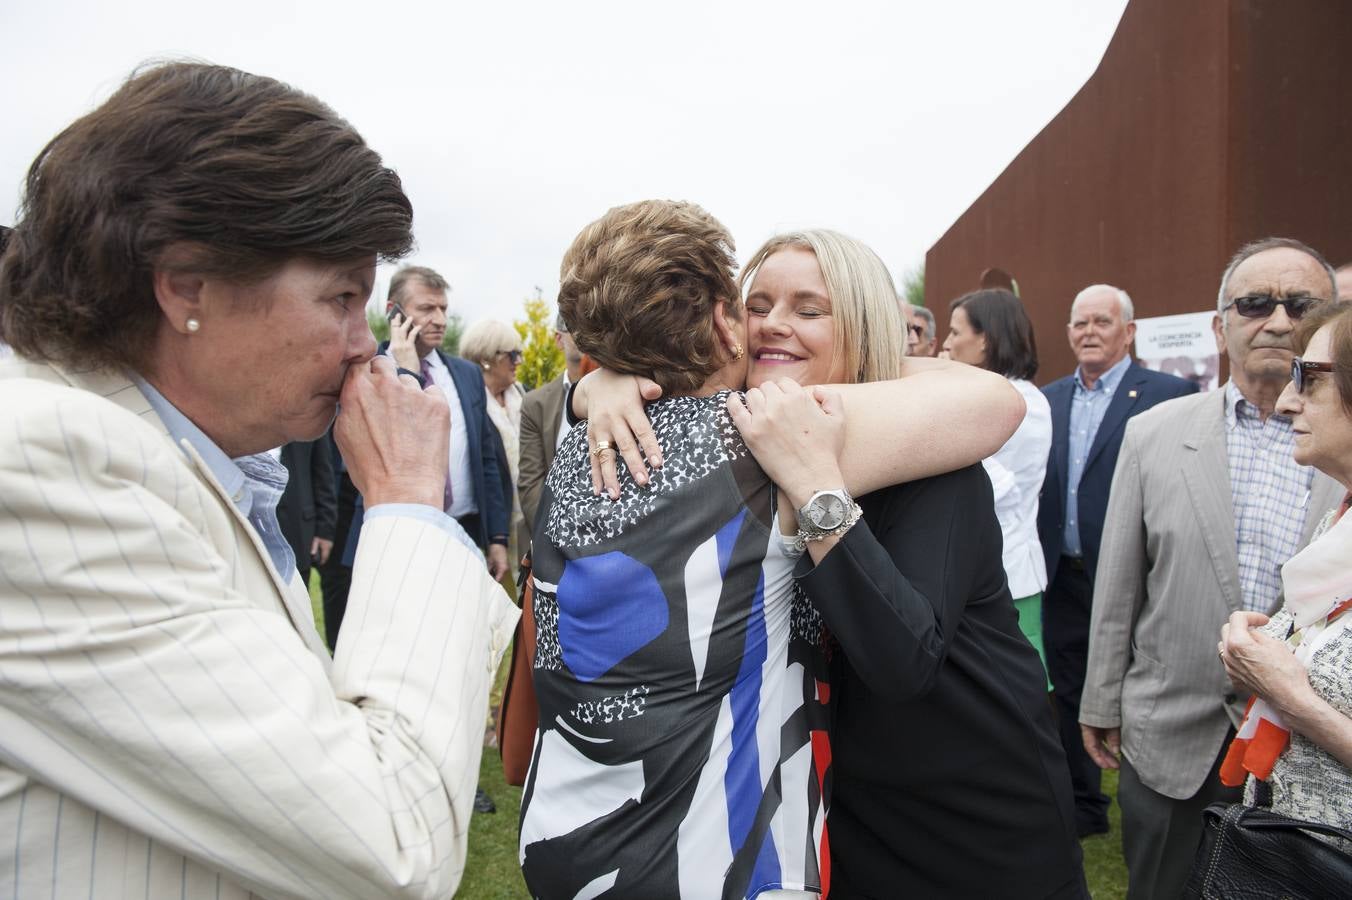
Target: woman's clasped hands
795	433
1260	664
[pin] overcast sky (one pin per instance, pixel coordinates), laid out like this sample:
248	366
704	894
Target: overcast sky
515	124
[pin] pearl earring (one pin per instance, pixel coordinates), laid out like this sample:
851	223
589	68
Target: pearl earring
737	351
193	326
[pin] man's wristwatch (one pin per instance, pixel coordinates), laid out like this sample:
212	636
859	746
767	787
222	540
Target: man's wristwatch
826	514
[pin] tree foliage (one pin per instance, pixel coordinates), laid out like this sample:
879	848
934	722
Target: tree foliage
913	285
455	326
541	358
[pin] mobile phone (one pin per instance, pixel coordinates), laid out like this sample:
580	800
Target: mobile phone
397	310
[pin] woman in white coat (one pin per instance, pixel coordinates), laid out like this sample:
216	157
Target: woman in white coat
990	329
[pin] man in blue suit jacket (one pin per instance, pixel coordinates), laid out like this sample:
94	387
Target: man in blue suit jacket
474	494
1090	409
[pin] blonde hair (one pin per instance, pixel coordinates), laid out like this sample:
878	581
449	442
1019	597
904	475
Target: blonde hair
486	338
870	327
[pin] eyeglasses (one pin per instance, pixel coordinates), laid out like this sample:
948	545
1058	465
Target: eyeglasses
1302	369
917	330
513	355
1260	306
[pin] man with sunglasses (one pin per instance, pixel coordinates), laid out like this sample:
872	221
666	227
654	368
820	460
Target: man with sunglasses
1206	505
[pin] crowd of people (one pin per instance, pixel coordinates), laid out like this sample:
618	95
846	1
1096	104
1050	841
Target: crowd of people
790	639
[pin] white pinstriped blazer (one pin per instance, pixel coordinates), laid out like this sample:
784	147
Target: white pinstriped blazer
170	723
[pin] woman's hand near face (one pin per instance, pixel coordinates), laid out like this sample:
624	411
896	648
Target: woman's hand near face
796	435
612	404
403	346
394	436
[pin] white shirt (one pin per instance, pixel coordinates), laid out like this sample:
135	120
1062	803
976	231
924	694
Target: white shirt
463	501
564	427
1016	472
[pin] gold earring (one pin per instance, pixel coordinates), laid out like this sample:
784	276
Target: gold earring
737	351
193	326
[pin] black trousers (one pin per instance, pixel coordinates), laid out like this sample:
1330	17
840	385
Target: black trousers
334	577
1065	633
470	522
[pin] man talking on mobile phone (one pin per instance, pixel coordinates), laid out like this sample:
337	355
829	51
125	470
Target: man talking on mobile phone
416	306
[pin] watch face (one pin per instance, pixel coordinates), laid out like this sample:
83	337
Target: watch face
827	511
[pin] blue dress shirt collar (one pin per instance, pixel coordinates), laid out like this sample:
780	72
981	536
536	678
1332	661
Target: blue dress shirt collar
254	483
1109	380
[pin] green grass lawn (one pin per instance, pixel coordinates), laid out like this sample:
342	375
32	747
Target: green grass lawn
492	873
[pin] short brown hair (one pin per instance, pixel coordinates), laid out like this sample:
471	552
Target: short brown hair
1339	315
638	289
234	173
429	277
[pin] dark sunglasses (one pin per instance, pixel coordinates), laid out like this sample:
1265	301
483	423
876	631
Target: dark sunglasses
1302	369
917	330
1260	306
513	355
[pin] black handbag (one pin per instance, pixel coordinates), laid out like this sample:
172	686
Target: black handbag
1250	853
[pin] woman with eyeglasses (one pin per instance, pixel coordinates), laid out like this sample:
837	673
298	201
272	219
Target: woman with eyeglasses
495	347
1294	748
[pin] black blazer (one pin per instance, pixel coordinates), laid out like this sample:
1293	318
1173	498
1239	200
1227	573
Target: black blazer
1139	390
309	506
494	504
949	777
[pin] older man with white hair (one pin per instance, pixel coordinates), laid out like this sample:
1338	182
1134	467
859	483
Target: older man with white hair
1090	408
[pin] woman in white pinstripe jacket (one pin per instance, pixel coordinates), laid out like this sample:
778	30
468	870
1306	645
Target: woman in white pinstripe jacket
186	290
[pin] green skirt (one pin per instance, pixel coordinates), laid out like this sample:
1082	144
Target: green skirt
1030	623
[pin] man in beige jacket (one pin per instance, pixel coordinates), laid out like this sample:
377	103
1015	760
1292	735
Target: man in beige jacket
1206	504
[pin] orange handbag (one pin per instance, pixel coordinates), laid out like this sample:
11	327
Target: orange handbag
520	713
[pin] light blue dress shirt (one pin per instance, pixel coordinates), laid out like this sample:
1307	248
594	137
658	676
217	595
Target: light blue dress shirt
255	485
1087	408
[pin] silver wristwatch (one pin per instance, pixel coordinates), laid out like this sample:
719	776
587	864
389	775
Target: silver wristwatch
826	513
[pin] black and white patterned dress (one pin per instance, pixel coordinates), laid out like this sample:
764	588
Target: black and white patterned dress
682	747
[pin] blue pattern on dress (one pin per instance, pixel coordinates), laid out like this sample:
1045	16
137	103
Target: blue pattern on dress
609	606
742	781
725	539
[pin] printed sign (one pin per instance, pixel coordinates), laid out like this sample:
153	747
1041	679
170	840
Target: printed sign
1182	345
